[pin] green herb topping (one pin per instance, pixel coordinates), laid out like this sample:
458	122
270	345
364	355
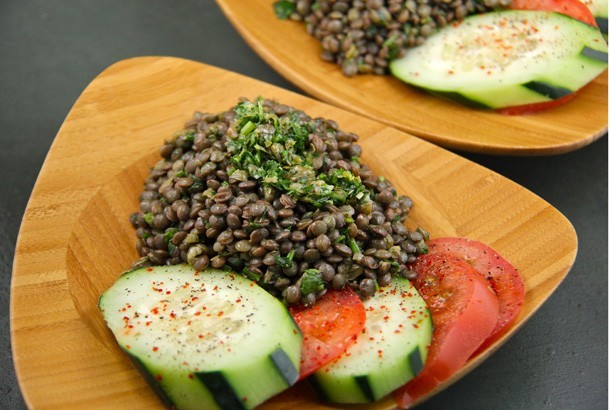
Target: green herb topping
276	152
283	9
284	261
311	281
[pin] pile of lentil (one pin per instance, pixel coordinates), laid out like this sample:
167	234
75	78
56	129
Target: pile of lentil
264	190
362	36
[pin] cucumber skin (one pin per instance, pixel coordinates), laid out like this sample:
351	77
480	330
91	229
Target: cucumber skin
357	387
553	82
602	23
205	390
181	389
152	382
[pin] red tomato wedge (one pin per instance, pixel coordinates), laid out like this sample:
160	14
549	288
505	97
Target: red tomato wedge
572	8
464	313
329	327
503	277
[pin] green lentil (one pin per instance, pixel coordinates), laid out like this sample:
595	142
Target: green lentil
265	190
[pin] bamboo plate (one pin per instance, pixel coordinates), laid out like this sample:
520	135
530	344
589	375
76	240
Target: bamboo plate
76	239
295	55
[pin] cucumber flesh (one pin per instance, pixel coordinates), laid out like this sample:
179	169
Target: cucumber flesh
390	351
207	339
506	58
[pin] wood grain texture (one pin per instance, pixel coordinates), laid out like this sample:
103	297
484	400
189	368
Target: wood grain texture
295	55
75	238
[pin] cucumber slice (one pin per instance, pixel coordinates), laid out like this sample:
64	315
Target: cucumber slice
390	351
506	58
207	339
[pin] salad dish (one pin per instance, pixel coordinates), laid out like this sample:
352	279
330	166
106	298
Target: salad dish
202	298
526	98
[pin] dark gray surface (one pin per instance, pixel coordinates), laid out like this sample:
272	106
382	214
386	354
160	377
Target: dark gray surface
50	50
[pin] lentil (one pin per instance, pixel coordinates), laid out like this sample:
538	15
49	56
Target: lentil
363	36
210	202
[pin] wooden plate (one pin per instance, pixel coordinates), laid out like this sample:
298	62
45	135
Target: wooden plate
76	238
294	54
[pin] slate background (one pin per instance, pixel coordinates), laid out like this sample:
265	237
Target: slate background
50	50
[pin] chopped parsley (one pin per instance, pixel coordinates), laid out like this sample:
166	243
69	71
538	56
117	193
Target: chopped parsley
148	218
276	152
169	234
283	9
311	281
251	275
284	261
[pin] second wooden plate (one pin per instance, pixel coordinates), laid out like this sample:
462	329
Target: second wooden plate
295	55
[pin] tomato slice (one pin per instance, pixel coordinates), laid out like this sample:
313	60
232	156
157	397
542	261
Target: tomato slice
329	327
464	313
572	8
502	276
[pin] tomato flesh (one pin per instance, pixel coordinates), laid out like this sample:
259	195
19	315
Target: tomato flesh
329	327
502	276
572	8
464	312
